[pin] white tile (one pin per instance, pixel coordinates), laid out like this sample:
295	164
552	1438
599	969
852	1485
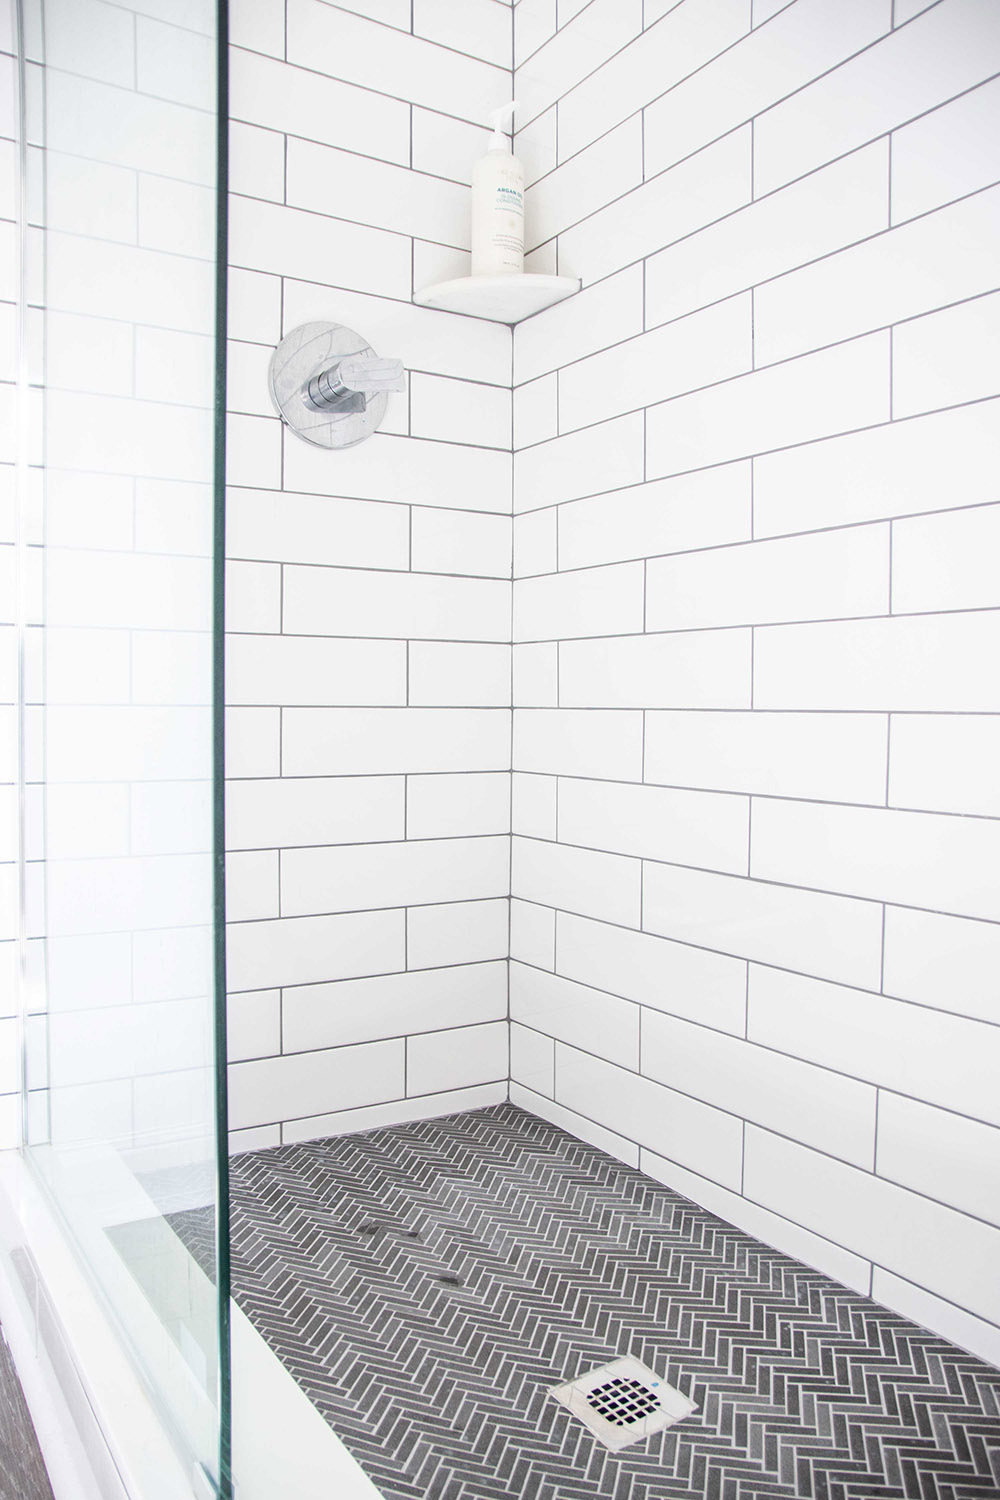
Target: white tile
833	936
575	1013
146	592
935	259
691	982
454	541
457	1059
576	50
697	669
361	190
678	45
316	529
927	463
256	1138
768	63
253	741
532	934
480	28
942	1059
825	575
120	127
329	601
303	670
598	601
578	743
951	151
536	675
535	146
446	806
252	885
177	217
275	813
933	1151
174	63
368	1010
536	417
677	202
696	1135
433	263
171	817
392	62
246	378
927	749
535	545
975	1334
399	1112
579	187
706	829
598	316
389	12
579	1125
292	242
666	515
947	50
908	662
253	1024
533	805
454	673
346	742
583	463
447	147
905	10
367	876
947	962
307	950
85	37
253	450
534	23
285	1088
459	411
256	24
681	356
604	886
810	1104
837	757
532	1060
253	597
946	357
831	391
408	471
466	932
96	355
903	1232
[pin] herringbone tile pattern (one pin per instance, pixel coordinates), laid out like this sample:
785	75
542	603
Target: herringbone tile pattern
565	1259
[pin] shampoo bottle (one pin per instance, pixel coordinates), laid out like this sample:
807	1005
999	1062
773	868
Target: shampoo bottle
498	206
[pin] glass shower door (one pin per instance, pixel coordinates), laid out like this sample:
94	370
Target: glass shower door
119	507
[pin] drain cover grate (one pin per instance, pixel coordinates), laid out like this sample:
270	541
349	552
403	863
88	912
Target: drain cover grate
623	1402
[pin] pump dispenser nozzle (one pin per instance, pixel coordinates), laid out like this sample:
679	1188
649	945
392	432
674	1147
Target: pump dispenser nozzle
497	118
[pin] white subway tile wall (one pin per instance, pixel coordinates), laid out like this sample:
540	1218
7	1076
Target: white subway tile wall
368	656
757	740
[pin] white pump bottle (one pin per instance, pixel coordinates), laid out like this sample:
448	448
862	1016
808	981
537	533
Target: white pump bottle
498	205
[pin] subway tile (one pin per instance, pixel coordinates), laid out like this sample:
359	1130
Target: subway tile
390	12
458	411
836	937
532	934
292	242
253	742
810	1104
579	1125
534	23
598	175
706	829
397	1112
282	812
252	885
596	459
697	1136
697	669
667	515
933	1151
691	982
950	963
596	317
903	1232
979	1336
909	662
533	805
943	1059
830	391
353	742
705	186
408	471
532	1060
952	151
284	1088
535	544
946	357
938	258
178	217
174	63
466	803
574	52
253	450
604	886
465	932
770	62
536	415
83	197
256	24
918	66
287	527
678	45
480	28
928	749
536	675
942	562
579	743
246	374
923	464
359	189
253	1025
601	601
253	597
457	1059
305	950
355	1011
459	673
681	356
357	877
575	1013
832	757
843	202
253	305
535	146
446	147
120	127
328	601
829	574
455	541
306	670
126	590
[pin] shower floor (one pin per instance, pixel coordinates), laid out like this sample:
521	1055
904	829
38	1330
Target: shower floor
564	1260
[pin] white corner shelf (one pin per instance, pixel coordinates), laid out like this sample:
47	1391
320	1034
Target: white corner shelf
501	299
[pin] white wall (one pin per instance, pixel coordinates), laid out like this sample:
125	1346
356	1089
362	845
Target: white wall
9	1107
757	740
369	591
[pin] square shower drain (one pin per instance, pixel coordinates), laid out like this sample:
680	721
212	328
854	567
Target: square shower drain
623	1402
